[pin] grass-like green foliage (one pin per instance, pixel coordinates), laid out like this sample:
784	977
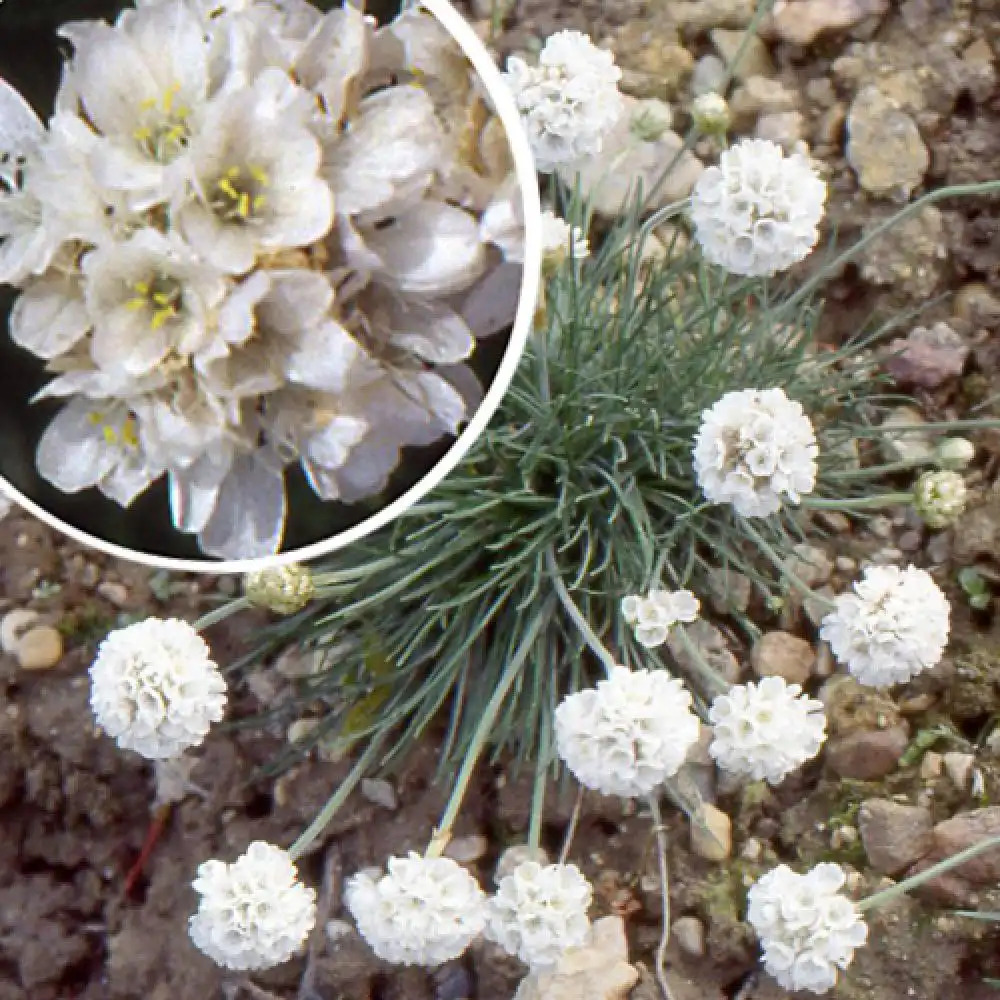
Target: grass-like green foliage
584	474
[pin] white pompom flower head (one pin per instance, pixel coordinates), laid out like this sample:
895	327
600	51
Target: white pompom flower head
654	615
808	930
890	627
758	211
423	911
756	449
569	101
539	911
253	913
766	729
154	688
627	735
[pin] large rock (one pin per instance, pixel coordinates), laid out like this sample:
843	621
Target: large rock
894	835
866	755
884	145
803	21
781	654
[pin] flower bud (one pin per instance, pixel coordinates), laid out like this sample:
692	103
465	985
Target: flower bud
281	589
954	453
710	114
939	498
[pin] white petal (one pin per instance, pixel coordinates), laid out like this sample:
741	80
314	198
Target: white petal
492	305
433	250
71	453
194	490
20	130
249	517
324	358
48	318
432	331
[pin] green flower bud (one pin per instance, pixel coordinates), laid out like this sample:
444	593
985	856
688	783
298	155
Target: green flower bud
281	589
939	498
954	453
710	114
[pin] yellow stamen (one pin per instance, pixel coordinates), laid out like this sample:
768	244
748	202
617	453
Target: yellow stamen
95	418
226	187
161	298
137	303
233	173
258	174
142	287
160	317
148	104
142	134
110	434
129	433
243	206
259	201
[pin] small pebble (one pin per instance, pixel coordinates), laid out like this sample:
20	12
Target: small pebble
40	648
115	593
931	766
958	767
689	933
337	929
712	834
465	850
14	624
380	792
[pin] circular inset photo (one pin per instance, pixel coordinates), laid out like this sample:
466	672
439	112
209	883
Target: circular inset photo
266	268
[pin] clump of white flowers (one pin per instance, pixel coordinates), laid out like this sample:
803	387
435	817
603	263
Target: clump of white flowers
272	211
629	734
758	211
890	627
754	449
155	689
424	911
539	911
569	101
807	929
253	913
765	729
281	589
939	497
654	615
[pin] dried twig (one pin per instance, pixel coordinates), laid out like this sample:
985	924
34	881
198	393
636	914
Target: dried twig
329	900
660	832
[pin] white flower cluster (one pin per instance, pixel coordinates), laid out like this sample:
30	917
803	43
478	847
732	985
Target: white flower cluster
940	497
807	929
569	101
754	447
424	911
892	626
766	729
539	911
629	734
253	913
236	241
654	615
155	689
758	211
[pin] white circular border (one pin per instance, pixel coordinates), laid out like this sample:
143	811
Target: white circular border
503	100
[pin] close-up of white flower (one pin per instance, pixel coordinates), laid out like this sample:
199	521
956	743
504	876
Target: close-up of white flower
424	911
568	101
758	211
538	911
765	729
276	220
627	735
755	449
654	615
939	497
254	913
154	688
892	625
808	930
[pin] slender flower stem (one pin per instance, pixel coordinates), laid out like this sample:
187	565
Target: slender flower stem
339	797
878	471
442	834
712	678
574	819
878	898
569	606
221	613
660	832
879	502
807	288
779	564
541	776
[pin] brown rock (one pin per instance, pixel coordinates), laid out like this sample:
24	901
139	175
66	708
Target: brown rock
802	21
894	835
867	754
780	654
